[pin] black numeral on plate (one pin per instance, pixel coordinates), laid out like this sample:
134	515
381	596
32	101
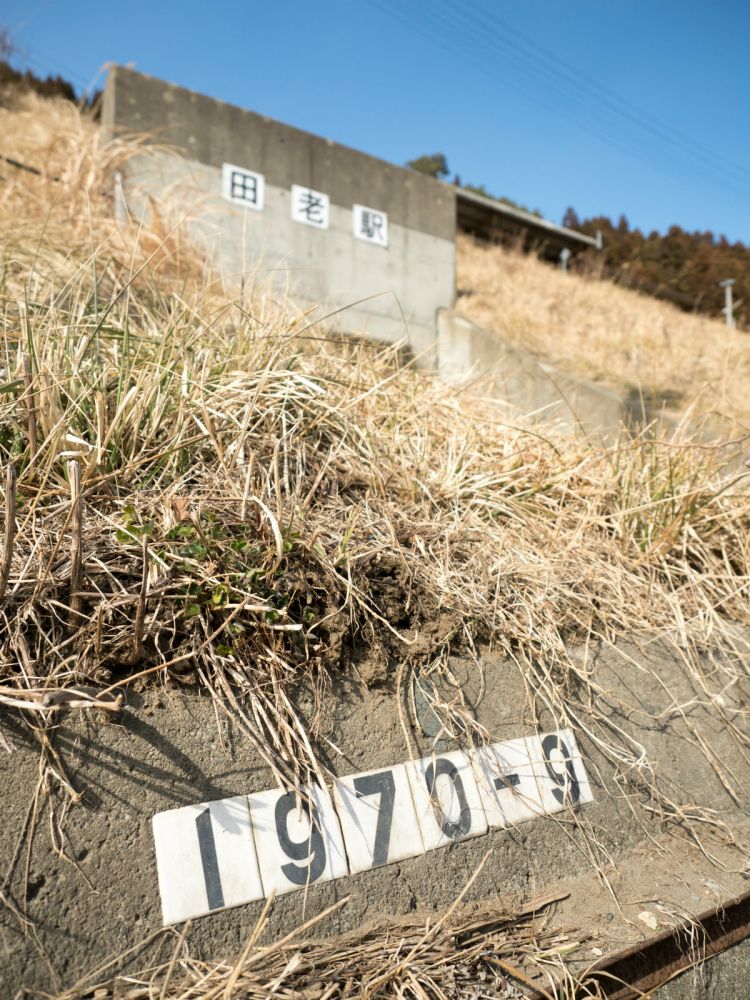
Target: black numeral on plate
381	784
569	788
453	829
312	848
209	860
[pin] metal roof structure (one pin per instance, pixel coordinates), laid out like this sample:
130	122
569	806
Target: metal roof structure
499	222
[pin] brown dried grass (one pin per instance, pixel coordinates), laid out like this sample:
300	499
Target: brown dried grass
598	329
258	501
468	952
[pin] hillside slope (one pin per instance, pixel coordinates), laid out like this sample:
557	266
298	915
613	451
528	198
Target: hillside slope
597	329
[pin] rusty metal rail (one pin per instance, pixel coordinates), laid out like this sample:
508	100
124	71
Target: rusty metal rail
644	967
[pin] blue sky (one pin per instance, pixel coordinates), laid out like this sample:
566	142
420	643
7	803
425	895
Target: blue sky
611	106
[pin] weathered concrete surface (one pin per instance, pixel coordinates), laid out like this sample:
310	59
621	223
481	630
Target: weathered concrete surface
214	132
467	351
401	285
726	977
661	881
389	295
166	750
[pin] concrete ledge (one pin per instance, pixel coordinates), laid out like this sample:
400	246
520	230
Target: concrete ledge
467	351
387	291
213	132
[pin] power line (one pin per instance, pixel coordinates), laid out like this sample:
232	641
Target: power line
482	42
455	36
48	64
563	72
51	64
407	17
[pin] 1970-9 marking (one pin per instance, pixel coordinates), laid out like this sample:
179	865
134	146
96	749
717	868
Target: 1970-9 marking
380	816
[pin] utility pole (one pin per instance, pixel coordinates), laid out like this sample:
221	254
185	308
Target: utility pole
728	309
564	258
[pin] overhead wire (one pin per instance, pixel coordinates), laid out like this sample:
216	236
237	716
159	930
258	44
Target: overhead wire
456	35
407	17
563	72
45	63
53	65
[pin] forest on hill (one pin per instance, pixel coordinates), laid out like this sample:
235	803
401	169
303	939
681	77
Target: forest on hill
679	265
12	78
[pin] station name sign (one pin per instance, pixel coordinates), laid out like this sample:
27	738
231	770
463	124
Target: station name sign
309	207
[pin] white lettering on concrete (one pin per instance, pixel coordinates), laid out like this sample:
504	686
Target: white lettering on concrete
205	858
370	225
508	783
298	838
310	207
377	817
243	187
237	850
447	799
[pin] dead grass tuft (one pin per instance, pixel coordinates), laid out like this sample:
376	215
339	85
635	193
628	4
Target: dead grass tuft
466	953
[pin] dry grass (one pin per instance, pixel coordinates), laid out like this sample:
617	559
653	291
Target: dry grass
256	502
597	329
469	952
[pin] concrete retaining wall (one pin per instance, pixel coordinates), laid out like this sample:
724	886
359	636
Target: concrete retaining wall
403	282
166	750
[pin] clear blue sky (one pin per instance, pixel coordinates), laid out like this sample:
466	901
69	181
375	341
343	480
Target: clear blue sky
612	106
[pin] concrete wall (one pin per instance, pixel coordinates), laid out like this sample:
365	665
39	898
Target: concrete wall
167	749
466	351
404	283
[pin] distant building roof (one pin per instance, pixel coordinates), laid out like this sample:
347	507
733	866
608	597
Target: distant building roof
498	222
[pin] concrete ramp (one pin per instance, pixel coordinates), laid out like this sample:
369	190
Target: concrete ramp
469	352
